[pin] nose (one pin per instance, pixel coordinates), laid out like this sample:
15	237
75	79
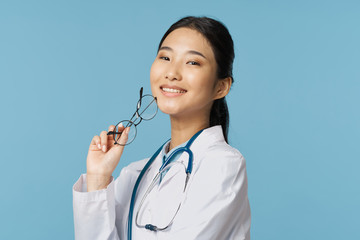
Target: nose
173	72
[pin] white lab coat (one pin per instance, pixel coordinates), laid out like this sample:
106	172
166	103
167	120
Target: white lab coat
215	206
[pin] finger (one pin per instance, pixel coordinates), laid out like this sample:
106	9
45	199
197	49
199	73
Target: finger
111	137
119	128
124	136
95	142
117	150
104	140
111	128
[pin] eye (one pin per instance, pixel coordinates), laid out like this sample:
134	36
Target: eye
193	63
165	58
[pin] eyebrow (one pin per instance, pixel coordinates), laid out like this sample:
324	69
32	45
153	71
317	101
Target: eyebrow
190	51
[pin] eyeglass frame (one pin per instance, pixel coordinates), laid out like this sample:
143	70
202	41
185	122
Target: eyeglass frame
132	122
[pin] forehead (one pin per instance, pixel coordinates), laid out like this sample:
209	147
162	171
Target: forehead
186	39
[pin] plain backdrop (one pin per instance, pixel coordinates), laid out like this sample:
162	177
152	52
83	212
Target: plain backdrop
68	69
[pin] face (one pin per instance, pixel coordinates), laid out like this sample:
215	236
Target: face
183	75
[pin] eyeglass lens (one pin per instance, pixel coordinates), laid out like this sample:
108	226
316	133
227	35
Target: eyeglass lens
148	107
119	129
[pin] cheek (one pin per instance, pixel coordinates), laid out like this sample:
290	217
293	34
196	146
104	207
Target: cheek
155	71
154	76
203	83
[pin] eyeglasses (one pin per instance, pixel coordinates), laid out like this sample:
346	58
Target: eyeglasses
174	195
146	109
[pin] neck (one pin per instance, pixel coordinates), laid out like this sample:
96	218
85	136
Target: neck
182	129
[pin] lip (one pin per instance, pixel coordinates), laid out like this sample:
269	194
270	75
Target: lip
172	94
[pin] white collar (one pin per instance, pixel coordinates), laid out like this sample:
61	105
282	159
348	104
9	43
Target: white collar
207	138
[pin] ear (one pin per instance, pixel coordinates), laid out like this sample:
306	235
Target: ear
222	87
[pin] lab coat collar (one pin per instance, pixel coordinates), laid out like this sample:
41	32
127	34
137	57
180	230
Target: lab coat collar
207	138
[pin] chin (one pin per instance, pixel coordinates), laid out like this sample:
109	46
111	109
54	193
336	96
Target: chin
170	109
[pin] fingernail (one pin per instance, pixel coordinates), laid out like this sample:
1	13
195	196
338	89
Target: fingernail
99	146
127	130
104	148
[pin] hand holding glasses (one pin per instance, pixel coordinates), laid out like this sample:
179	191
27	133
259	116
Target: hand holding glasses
146	109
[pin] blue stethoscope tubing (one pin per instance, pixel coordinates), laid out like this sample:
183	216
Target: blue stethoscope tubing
167	161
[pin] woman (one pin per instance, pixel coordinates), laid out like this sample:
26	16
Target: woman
190	78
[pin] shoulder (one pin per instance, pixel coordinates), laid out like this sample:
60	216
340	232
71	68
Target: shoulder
212	144
224	151
215	154
223	157
222	166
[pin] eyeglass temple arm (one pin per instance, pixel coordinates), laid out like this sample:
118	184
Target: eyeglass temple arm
141	94
113	132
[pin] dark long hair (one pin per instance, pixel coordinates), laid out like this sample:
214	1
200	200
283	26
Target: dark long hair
223	47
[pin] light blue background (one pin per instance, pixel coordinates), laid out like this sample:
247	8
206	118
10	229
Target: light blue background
68	69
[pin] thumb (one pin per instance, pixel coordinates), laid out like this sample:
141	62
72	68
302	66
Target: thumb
124	136
114	154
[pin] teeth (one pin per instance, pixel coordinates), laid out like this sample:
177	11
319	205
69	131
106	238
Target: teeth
171	90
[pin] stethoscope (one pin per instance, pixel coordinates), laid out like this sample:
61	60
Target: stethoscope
161	170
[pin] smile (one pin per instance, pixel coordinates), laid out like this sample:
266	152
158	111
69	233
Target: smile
172	90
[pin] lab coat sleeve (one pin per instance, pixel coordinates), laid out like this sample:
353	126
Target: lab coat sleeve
102	214
217	206
94	212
